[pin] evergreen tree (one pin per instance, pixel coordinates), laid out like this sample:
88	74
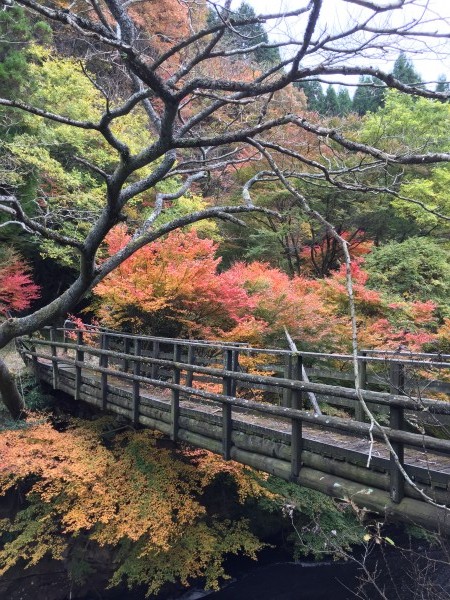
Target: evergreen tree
417	268
345	102
404	70
442	84
331	104
314	94
247	36
369	95
16	32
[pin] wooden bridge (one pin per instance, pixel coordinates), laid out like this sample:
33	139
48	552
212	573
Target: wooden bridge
250	405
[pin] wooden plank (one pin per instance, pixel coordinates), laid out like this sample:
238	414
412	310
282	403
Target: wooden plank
412	385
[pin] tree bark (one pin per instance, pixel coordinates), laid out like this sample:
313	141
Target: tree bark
10	394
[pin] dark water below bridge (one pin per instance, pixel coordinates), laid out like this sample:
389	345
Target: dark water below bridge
289	581
274	577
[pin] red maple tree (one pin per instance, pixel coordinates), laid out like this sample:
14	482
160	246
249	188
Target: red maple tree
17	289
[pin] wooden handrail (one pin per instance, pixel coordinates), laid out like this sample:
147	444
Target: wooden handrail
349	426
410	403
443	360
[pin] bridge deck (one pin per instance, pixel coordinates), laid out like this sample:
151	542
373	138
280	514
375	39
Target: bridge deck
329	443
293	446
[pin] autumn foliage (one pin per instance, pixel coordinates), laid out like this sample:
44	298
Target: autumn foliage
175	279
132	496
17	289
178	280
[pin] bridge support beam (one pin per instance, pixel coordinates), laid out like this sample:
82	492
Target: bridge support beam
409	510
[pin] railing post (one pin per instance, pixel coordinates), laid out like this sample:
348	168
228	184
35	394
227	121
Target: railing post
234	368
287	394
126	350
53	336
136	383
227	422
175	401
104	340
79	357
362	382
396	421
296	433
155	354
191	361
35	363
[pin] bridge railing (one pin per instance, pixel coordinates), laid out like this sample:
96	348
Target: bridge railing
232	375
421	373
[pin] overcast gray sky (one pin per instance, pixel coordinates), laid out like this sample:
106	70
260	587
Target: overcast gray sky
426	59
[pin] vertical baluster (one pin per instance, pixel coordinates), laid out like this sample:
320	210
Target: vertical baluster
136	383
362	382
287	394
396	421
235	369
296	434
126	350
191	361
35	363
175	401
53	337
227	390
104	340
79	357
155	354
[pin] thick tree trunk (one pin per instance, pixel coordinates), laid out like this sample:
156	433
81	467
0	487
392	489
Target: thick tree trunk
9	393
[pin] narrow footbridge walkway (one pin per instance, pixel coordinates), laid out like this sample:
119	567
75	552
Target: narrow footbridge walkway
252	405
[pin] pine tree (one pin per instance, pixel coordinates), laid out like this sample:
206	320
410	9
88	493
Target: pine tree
345	102
247	36
369	95
331	104
404	70
442	84
314	94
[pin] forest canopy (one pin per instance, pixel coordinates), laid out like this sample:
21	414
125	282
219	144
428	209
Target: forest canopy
121	116
196	169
